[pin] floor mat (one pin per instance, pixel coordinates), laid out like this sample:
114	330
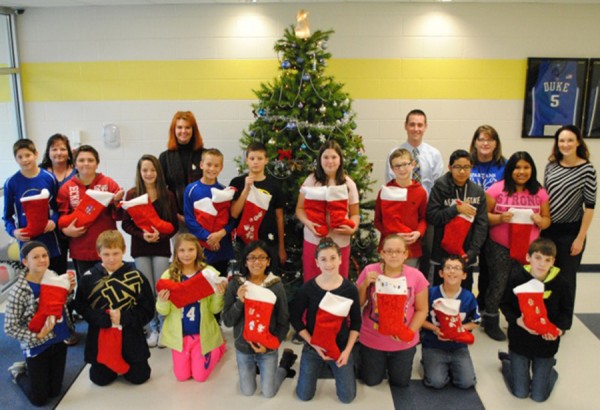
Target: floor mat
419	397
591	321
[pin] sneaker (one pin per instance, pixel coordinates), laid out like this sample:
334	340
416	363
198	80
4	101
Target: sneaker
72	340
152	340
503	355
297	339
17	369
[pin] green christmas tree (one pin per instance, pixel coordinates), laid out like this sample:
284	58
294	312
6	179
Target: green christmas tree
295	114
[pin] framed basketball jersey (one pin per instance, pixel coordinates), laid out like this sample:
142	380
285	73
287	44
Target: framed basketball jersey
592	111
554	95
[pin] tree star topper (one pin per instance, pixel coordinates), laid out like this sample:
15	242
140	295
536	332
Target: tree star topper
302	30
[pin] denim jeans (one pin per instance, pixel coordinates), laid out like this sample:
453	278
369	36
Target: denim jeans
374	364
523	375
310	367
439	365
271	376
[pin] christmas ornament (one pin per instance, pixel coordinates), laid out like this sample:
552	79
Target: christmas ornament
300	105
305	77
262	112
322	109
291	125
285	64
284	154
300	60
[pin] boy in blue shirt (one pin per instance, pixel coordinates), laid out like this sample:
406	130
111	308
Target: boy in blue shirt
444	359
30	180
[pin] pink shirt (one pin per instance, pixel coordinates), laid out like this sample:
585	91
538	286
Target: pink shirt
521	200
369	336
341	240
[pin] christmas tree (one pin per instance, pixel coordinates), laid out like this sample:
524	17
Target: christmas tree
295	114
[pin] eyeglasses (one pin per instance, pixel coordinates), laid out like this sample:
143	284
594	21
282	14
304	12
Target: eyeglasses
253	259
398	167
461	168
454	268
485	140
393	252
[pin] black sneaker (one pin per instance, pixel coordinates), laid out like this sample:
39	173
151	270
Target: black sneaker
503	355
288	358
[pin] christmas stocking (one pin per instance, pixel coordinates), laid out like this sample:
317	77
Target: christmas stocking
392	294
36	210
194	289
456	232
255	210
519	233
221	200
53	295
447	312
206	215
332	312
392	208
533	308
110	349
144	215
90	206
337	205
258	308
315	206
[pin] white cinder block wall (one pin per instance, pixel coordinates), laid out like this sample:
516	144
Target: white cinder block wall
363	31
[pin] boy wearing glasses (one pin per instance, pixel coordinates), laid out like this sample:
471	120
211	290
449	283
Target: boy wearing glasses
445	355
401	206
458	212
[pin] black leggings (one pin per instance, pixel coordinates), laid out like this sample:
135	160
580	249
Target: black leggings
138	373
45	373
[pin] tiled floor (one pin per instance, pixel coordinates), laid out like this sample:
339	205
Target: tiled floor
578	366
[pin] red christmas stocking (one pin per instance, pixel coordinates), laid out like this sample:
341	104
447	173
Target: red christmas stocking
255	210
337	205
258	308
221	200
90	206
333	310
194	289
392	294
144	215
447	312
392	208
519	233
206	215
315	206
455	233
53	295
533	308
110	349
36	210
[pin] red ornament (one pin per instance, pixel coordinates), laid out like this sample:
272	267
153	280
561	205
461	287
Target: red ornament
284	154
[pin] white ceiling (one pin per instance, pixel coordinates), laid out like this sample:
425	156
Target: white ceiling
77	3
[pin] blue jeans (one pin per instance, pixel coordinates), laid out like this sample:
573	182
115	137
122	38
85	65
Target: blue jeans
374	364
439	364
520	380
271	376
310	367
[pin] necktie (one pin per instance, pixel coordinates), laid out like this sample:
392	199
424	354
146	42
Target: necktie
417	169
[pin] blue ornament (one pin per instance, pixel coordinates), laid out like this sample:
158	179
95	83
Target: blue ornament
262	112
309	136
299	60
355	162
285	64
303	146
252	133
290	125
305	77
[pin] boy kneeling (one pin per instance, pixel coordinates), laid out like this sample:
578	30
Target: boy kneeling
538	308
117	301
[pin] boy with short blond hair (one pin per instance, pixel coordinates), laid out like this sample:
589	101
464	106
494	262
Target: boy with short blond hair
269	226
116	300
533	338
30	181
200	197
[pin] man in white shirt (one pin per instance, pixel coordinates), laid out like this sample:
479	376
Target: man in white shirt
428	167
428	160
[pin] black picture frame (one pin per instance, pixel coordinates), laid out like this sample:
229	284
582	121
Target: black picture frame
591	121
554	95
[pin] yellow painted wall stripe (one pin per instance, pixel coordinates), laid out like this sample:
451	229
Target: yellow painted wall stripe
235	79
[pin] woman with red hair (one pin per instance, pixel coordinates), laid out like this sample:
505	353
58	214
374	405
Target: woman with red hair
181	161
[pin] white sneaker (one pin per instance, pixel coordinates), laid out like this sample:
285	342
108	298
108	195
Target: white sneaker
152	340
16	369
